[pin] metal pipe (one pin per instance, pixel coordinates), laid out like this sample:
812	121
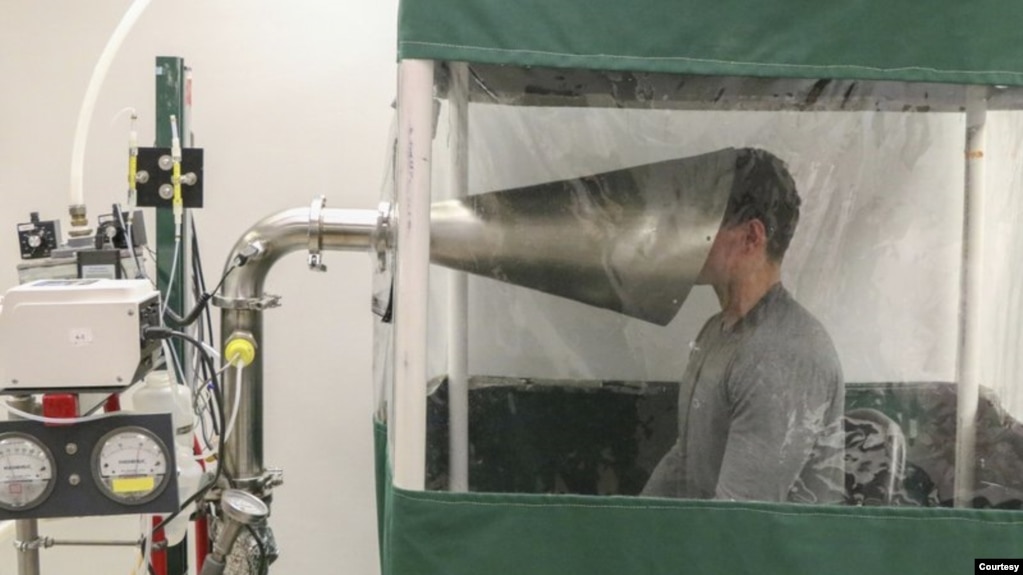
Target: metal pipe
242	301
26	531
50	542
414	158
968	395
458	294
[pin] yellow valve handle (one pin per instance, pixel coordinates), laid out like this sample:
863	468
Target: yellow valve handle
240	351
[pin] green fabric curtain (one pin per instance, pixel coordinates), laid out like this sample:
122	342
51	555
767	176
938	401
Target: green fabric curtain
435	533
955	42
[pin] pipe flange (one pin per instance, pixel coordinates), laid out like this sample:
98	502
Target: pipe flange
316	234
381	241
267	301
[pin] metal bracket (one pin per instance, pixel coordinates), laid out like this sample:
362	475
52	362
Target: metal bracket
267	301
316	234
261	485
274	477
35	544
381	240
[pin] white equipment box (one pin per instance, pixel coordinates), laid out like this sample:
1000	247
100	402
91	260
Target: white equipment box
75	334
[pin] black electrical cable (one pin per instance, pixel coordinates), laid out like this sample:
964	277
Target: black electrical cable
201	275
164	333
175	364
202	302
140	272
264	565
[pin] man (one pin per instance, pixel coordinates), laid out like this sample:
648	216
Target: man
762	397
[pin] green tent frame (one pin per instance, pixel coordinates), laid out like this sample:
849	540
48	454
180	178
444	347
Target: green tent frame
958	43
820	53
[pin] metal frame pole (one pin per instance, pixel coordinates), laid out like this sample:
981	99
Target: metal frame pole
26	531
458	294
415	137
969	348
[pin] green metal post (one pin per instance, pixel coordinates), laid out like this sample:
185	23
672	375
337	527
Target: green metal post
170	101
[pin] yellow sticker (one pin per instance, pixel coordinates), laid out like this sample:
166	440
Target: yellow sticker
133	484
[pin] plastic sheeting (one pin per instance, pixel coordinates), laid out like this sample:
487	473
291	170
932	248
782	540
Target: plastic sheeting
568	398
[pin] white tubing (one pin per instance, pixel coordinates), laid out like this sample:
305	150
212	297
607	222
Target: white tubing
237	402
173	273
6	531
99	74
968	396
414	155
54	420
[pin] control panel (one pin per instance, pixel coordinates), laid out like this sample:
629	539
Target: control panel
73	335
112	465
37	238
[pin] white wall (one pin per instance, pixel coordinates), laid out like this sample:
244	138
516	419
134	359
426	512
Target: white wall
292	99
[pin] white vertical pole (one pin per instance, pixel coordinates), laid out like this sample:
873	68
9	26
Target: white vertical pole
458	294
415	138
970	296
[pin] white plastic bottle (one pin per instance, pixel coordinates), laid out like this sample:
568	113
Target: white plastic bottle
159	394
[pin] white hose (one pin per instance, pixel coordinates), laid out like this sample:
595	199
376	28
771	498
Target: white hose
173	272
237	402
99	74
55	420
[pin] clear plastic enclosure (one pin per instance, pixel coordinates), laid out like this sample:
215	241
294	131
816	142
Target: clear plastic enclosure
569	397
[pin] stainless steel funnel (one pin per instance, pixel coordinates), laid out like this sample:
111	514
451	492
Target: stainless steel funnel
631	241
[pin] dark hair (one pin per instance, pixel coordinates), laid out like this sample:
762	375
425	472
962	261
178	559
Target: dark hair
763	189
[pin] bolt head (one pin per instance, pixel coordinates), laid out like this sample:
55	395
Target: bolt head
71	448
74	479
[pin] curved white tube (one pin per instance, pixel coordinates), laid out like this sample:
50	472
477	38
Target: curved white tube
173	274
55	420
99	74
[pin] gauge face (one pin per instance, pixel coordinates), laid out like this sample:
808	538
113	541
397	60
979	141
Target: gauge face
130	465
26	472
244	506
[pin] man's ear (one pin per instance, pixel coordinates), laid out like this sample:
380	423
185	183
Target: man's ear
755	237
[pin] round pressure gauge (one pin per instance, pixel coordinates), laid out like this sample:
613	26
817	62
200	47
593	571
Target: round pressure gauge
130	465
243	507
27	474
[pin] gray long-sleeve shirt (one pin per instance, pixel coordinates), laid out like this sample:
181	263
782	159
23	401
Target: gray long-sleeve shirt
763	420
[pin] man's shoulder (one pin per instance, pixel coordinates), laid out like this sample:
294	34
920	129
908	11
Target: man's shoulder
789	327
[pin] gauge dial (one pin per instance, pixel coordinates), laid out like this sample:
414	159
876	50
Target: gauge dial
243	506
26	472
130	465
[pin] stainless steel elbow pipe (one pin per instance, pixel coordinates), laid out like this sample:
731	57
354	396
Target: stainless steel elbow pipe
242	302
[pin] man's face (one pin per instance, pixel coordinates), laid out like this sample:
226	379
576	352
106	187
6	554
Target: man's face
731	247
722	257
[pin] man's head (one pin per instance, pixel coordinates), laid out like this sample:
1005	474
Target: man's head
760	219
